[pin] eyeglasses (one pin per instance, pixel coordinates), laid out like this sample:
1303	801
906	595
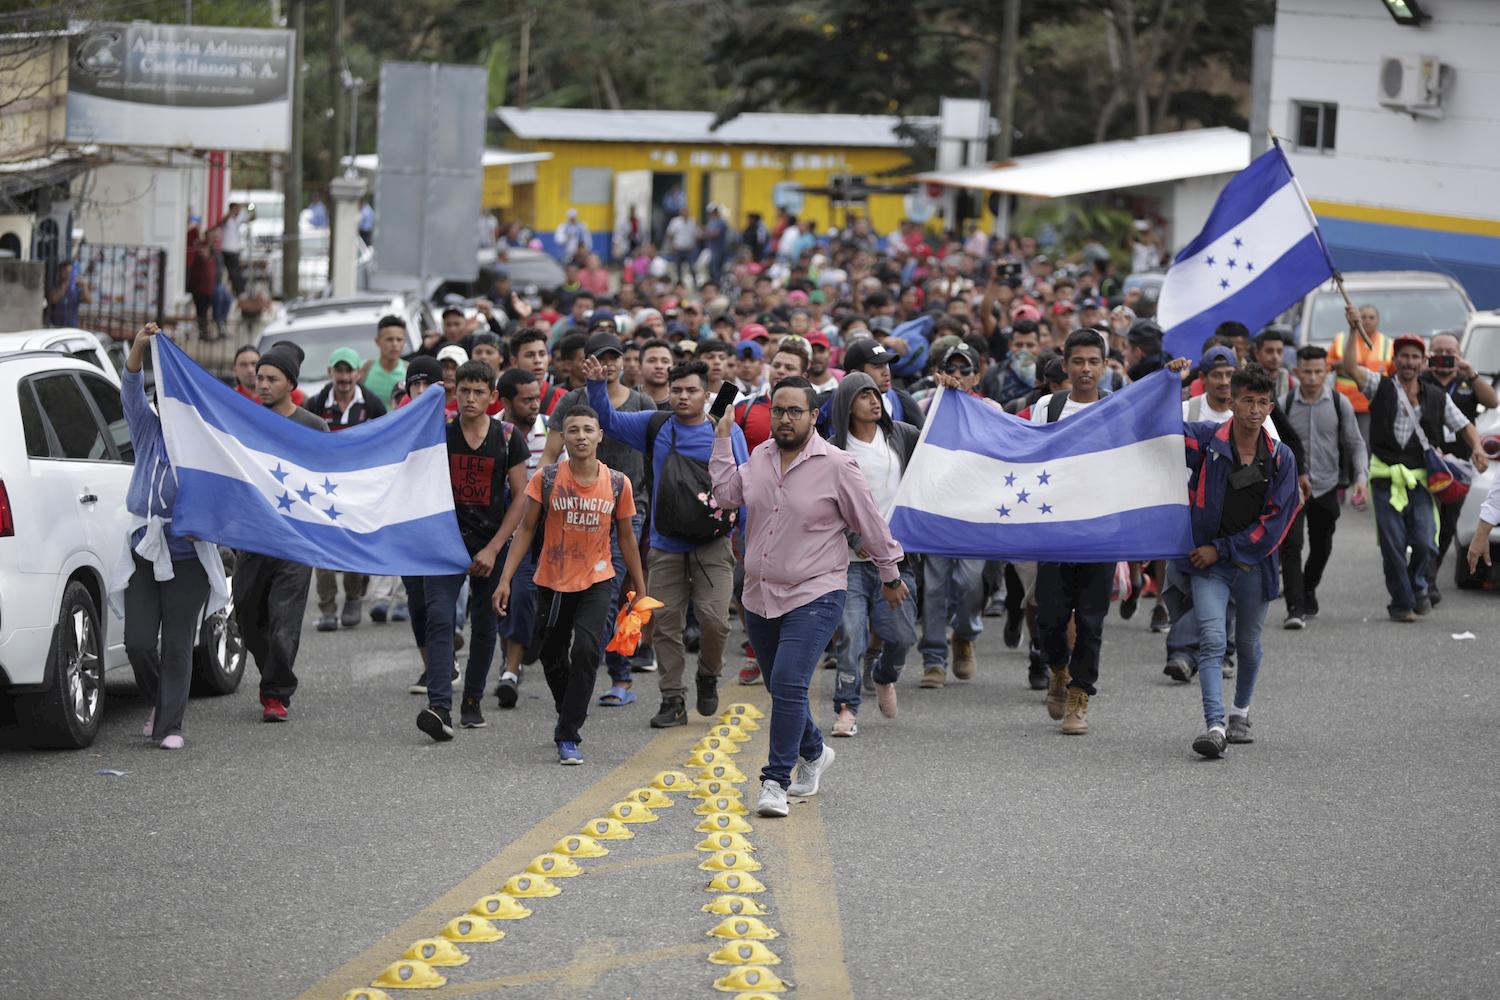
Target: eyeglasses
958	370
785	412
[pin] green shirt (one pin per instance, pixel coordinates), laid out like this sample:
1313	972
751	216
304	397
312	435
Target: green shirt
382	383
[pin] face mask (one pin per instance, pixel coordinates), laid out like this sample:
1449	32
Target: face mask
1023	363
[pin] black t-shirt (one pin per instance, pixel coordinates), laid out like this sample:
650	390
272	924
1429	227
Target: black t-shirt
1461	391
1244	503
480	497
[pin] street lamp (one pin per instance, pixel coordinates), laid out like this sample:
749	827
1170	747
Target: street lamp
1407	13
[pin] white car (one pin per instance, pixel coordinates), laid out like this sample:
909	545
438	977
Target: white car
63	482
1423	302
1488	426
80	344
1480	344
322	326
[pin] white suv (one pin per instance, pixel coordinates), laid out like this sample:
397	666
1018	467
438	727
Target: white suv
322	326
63	481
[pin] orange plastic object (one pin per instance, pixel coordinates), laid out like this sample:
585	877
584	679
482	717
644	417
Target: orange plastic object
628	624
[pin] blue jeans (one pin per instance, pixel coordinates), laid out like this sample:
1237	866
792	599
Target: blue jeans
1213	589
440	600
789	648
1182	637
865	608
1415	527
952	593
619	666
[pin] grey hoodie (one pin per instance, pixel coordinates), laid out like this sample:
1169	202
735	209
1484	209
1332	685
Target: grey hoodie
900	436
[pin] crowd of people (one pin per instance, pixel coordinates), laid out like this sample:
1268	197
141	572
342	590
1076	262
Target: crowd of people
730	439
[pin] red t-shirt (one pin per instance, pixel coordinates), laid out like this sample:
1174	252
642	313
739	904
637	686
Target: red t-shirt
754	418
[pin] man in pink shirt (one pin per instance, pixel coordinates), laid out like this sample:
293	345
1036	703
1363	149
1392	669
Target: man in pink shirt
801	496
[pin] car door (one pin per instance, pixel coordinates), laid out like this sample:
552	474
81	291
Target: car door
112	486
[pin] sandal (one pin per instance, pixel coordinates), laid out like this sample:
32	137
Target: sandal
616	697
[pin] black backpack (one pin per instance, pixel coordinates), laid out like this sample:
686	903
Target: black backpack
1059	400
684	498
549	478
1345	459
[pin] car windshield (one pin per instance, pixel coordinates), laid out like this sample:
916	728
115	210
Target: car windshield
1402	310
318	344
1483	349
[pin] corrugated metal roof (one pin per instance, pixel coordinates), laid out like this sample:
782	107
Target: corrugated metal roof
1108	166
754	129
491	158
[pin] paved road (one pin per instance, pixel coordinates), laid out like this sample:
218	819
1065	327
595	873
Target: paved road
964	850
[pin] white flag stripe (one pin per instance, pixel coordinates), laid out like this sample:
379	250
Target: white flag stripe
971	487
1192	285
366	499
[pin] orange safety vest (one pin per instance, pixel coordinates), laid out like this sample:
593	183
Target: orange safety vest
1376	358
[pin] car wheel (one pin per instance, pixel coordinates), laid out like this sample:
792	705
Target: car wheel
67	713
220	656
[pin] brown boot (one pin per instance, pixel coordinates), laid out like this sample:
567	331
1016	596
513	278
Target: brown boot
934	677
1076	720
963	659
1057	691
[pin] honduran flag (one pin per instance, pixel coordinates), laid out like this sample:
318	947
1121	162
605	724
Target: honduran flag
1259	252
1104	484
375	498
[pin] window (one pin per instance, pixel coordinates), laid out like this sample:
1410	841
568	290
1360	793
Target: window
592	186
107	398
1314	125
73	423
31	423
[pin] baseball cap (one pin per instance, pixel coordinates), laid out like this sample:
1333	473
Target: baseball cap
1025	311
1093	303
1144	334
424	369
1408	339
747	349
963	352
1216	356
453	353
754	331
1059	308
819	338
867	352
601	316
881	324
345	356
796	298
602	343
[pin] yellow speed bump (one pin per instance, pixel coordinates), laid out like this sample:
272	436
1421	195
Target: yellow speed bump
467	928
722	772
498	907
671	781
743	723
710	788
751	977
732	906
758	995
731	733
529	887
725	842
436	952
651	798
721	804
554	866
730	861
705	758
632	812
579	846
743	929
724	823
745	708
606	828
410	975
735	882
722	744
745	953
366	994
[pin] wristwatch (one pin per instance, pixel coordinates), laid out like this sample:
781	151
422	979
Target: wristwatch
892	584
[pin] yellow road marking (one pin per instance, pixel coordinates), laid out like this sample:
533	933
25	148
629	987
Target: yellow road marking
657	755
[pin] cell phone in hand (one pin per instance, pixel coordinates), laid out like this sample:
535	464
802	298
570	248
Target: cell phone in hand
723	401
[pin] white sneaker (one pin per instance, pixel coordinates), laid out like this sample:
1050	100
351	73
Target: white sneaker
772	799
809	772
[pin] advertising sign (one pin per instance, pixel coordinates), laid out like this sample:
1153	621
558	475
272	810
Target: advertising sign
183	86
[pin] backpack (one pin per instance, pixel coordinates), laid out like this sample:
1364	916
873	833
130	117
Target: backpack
549	478
1339	402
1059	400
685	499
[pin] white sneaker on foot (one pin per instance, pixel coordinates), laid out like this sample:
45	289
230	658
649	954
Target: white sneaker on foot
809	773
173	742
772	799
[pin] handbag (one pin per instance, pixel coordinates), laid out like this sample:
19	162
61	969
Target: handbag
1448	478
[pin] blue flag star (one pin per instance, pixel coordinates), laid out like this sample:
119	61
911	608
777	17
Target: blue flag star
333	512
1010	479
1209	261
1238	242
1022	497
329	485
285	501
1004	511
1229	263
280	473
1249	266
1044	477
306	493
1046	508
1223	283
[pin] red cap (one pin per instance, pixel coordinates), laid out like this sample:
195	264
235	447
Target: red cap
820	338
1408	338
754	331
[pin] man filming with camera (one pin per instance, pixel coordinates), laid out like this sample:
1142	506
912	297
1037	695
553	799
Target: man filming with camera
1469	390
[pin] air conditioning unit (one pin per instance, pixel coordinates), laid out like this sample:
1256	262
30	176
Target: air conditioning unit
1414	84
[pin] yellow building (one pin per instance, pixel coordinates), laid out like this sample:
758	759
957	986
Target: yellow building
604	163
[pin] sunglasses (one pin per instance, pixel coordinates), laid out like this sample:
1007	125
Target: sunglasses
958	369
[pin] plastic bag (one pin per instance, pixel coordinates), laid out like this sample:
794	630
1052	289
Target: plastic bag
629	623
1120	589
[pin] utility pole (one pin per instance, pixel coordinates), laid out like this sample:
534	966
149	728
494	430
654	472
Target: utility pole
521	84
291	233
1010	33
337	96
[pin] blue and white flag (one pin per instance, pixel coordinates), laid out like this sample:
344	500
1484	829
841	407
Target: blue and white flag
1259	252
1106	483
372	499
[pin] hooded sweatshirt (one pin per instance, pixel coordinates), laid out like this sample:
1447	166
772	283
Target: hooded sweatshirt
901	438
